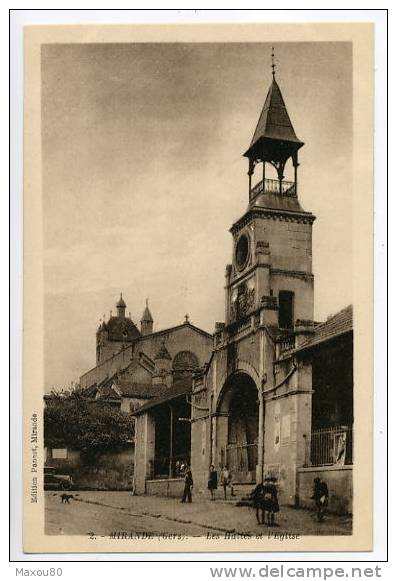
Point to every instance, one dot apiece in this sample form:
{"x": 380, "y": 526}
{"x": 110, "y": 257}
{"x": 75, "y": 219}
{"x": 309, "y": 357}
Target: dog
{"x": 65, "y": 498}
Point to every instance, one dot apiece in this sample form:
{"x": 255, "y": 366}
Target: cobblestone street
{"x": 107, "y": 513}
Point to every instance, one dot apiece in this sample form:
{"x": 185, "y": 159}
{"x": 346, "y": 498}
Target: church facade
{"x": 275, "y": 393}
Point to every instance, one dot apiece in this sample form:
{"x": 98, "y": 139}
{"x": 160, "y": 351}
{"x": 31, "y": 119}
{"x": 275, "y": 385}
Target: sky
{"x": 143, "y": 175}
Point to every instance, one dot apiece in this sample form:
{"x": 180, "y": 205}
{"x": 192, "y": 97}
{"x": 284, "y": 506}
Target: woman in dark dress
{"x": 212, "y": 481}
{"x": 265, "y": 499}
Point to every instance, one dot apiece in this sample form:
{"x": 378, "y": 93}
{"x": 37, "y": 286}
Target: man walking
{"x": 187, "y": 491}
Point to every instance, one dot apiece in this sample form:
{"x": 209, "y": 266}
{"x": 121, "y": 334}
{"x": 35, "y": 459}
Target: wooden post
{"x": 295, "y": 159}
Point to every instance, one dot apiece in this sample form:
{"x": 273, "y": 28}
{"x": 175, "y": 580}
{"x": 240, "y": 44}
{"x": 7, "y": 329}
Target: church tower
{"x": 271, "y": 270}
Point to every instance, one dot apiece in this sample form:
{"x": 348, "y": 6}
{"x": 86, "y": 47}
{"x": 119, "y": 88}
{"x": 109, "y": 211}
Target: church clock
{"x": 242, "y": 251}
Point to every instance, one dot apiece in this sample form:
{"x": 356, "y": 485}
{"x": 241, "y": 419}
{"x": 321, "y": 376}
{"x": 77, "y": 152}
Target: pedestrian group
{"x": 264, "y": 495}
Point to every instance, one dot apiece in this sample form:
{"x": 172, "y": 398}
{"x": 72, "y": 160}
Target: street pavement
{"x": 109, "y": 513}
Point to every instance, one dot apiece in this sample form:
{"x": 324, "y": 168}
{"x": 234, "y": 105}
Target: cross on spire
{"x": 187, "y": 318}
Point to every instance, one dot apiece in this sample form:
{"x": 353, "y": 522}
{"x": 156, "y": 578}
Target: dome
{"x": 121, "y": 329}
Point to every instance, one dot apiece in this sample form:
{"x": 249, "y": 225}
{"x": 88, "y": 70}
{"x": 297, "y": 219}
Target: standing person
{"x": 187, "y": 491}
{"x": 258, "y": 496}
{"x": 271, "y": 505}
{"x": 226, "y": 480}
{"x": 212, "y": 481}
{"x": 320, "y": 497}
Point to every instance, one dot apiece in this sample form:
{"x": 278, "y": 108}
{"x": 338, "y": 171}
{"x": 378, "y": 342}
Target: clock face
{"x": 242, "y": 251}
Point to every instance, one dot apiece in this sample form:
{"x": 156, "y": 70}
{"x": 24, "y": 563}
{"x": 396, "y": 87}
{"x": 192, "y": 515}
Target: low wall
{"x": 339, "y": 480}
{"x": 168, "y": 487}
{"x": 110, "y": 471}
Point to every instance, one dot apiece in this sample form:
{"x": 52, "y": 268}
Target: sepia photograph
{"x": 198, "y": 308}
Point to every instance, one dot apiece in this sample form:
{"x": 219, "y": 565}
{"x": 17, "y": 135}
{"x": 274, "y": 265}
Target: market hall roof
{"x": 335, "y": 326}
{"x": 181, "y": 387}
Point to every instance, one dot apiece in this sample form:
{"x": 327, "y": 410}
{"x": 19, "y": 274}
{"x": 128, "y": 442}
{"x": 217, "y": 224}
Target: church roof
{"x": 274, "y": 121}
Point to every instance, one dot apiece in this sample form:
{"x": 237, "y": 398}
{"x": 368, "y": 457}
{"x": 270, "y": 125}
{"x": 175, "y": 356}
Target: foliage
{"x": 89, "y": 426}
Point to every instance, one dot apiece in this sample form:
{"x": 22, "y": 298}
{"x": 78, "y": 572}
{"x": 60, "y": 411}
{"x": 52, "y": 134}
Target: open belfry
{"x": 270, "y": 393}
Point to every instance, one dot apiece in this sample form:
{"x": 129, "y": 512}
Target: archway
{"x": 238, "y": 418}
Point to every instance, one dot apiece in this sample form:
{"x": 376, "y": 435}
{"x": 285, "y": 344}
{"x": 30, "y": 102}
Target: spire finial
{"x": 147, "y": 302}
{"x": 273, "y": 65}
{"x": 187, "y": 318}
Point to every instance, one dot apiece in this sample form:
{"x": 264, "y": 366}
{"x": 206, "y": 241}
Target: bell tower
{"x": 271, "y": 268}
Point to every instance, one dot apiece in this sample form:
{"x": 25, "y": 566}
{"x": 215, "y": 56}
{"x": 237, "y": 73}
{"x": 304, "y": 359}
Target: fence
{"x": 330, "y": 446}
{"x": 270, "y": 186}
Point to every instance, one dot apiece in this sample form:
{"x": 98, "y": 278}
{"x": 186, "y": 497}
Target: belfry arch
{"x": 238, "y": 426}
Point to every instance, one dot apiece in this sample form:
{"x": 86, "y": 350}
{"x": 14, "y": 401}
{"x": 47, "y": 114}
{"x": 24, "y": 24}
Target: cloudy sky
{"x": 143, "y": 175}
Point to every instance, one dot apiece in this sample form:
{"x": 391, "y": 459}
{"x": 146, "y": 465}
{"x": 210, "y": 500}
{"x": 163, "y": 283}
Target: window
{"x": 286, "y": 309}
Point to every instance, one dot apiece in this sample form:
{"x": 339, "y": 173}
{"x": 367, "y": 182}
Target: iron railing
{"x": 241, "y": 457}
{"x": 330, "y": 446}
{"x": 273, "y": 187}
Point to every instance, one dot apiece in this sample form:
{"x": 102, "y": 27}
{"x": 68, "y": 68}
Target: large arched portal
{"x": 239, "y": 422}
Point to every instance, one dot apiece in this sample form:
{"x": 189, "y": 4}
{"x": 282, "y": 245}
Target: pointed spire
{"x": 147, "y": 320}
{"x": 274, "y": 122}
{"x": 121, "y": 302}
{"x": 121, "y": 306}
{"x": 147, "y": 315}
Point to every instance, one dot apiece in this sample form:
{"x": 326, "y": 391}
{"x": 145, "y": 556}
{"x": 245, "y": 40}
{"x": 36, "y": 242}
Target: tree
{"x": 89, "y": 426}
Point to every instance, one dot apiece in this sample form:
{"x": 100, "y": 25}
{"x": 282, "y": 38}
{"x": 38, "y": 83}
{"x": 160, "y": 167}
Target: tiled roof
{"x": 334, "y": 326}
{"x": 139, "y": 390}
{"x": 179, "y": 388}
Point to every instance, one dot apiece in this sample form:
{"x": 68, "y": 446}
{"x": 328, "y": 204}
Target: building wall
{"x": 182, "y": 338}
{"x": 339, "y": 480}
{"x": 172, "y": 487}
{"x": 144, "y": 451}
{"x": 285, "y": 408}
{"x": 290, "y": 243}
